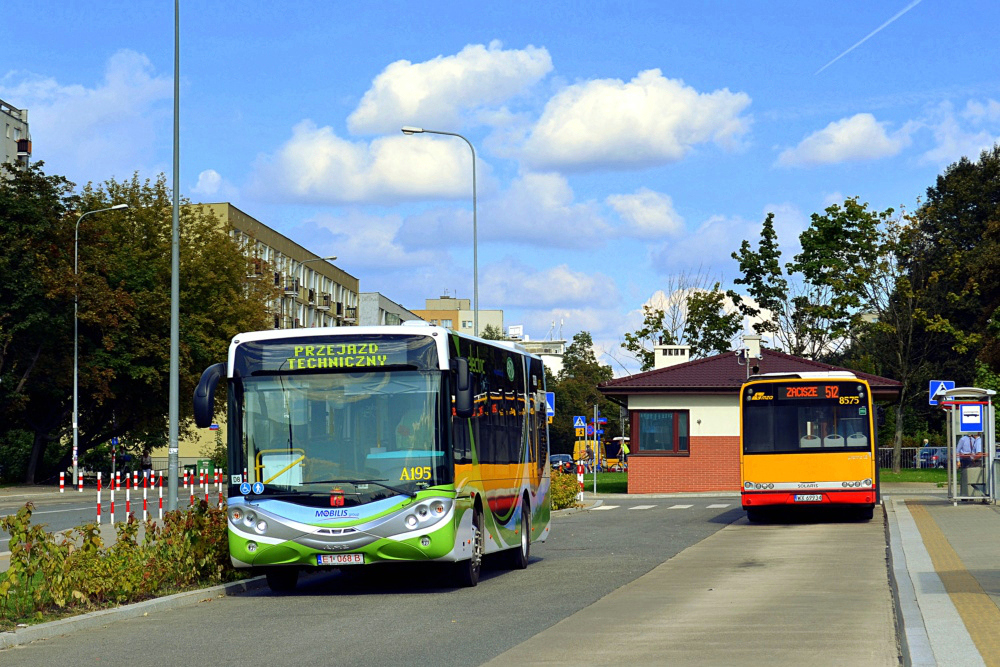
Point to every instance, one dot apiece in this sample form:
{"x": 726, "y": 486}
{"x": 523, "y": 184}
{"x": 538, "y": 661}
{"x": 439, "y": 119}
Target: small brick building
{"x": 684, "y": 415}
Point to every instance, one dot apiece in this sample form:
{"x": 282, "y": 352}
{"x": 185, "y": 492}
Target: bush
{"x": 563, "y": 490}
{"x": 46, "y": 574}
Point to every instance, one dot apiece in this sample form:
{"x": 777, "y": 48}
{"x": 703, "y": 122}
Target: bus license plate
{"x": 808, "y": 497}
{"x": 340, "y": 559}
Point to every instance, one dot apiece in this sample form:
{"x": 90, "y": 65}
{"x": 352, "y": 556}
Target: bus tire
{"x": 520, "y": 556}
{"x": 866, "y": 514}
{"x": 755, "y": 516}
{"x": 467, "y": 571}
{"x": 282, "y": 579}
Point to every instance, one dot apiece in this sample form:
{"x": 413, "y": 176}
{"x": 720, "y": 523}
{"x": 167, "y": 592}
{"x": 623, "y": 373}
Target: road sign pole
{"x": 597, "y": 451}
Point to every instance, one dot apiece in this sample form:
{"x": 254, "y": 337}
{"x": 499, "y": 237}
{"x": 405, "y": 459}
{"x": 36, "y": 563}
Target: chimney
{"x": 665, "y": 356}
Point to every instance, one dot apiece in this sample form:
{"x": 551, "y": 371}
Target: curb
{"x": 104, "y": 616}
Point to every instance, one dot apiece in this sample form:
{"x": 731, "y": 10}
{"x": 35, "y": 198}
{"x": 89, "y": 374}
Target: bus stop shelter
{"x": 972, "y": 460}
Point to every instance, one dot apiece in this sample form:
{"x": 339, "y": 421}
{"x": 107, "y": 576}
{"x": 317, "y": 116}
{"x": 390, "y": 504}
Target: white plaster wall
{"x": 719, "y": 415}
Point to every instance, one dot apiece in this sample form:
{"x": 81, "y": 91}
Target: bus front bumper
{"x": 853, "y": 497}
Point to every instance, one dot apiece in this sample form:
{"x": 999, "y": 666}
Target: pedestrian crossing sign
{"x": 579, "y": 422}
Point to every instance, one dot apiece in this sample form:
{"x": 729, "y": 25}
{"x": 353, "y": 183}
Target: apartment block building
{"x": 314, "y": 292}
{"x": 457, "y": 314}
{"x": 376, "y": 309}
{"x": 16, "y": 137}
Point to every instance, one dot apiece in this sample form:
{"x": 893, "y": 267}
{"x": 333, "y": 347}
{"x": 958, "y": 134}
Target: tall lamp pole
{"x": 76, "y": 326}
{"x": 475, "y": 241}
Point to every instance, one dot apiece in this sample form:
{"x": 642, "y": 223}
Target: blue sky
{"x": 620, "y": 145}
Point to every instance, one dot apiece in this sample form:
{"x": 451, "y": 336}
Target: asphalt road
{"x": 407, "y": 615}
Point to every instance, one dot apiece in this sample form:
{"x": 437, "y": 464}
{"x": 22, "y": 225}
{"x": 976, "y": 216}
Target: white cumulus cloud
{"x": 317, "y": 166}
{"x": 94, "y": 133}
{"x": 542, "y": 209}
{"x": 648, "y": 214}
{"x": 608, "y": 123}
{"x": 853, "y": 139}
{"x": 525, "y": 286}
{"x": 435, "y": 93}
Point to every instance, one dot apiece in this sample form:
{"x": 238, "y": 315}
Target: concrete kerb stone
{"x": 914, "y": 644}
{"x": 104, "y": 616}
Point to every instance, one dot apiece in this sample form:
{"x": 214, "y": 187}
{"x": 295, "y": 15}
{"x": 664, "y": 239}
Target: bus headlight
{"x": 426, "y": 513}
{"x": 261, "y": 526}
{"x": 250, "y": 519}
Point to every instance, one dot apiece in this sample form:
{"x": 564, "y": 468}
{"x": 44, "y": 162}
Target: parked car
{"x": 562, "y": 462}
{"x": 934, "y": 457}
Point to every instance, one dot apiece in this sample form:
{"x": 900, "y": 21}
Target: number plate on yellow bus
{"x": 340, "y": 559}
{"x": 808, "y": 497}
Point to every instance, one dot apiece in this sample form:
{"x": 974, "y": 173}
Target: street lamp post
{"x": 76, "y": 342}
{"x": 315, "y": 259}
{"x": 475, "y": 241}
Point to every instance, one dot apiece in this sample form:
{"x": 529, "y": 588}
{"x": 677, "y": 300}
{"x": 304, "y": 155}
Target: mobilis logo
{"x": 333, "y": 514}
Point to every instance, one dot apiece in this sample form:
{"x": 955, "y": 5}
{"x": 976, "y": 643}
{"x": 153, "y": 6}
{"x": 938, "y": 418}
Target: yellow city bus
{"x": 807, "y": 439}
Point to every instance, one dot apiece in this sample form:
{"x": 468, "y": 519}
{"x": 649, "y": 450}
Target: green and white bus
{"x": 356, "y": 446}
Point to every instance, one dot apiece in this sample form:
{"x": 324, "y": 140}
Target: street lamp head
{"x": 412, "y": 130}
{"x": 118, "y": 207}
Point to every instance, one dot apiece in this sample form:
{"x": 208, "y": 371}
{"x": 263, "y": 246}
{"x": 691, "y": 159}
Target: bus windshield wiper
{"x": 380, "y": 482}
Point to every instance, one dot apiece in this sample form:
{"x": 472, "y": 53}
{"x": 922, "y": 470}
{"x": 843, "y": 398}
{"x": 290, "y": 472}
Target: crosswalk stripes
{"x": 714, "y": 506}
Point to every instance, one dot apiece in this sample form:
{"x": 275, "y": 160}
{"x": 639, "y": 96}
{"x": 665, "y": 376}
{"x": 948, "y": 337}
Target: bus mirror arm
{"x": 204, "y": 395}
{"x": 463, "y": 388}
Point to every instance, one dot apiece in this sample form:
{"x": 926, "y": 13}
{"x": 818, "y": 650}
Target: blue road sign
{"x": 939, "y": 385}
{"x": 550, "y": 404}
{"x": 579, "y": 422}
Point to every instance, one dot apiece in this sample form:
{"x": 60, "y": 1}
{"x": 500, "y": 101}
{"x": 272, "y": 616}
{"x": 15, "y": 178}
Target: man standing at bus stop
{"x": 964, "y": 451}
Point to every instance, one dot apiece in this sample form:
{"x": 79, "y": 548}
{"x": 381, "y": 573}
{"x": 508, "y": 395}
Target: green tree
{"x": 789, "y": 311}
{"x": 576, "y": 393}
{"x": 124, "y": 306}
{"x": 666, "y": 316}
{"x": 492, "y": 332}
{"x": 35, "y": 327}
{"x": 710, "y": 329}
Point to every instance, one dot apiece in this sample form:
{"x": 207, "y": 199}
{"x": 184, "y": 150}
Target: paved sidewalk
{"x": 946, "y": 569}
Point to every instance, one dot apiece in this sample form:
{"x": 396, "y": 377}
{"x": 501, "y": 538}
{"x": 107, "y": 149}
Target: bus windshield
{"x": 341, "y": 438}
{"x": 800, "y": 417}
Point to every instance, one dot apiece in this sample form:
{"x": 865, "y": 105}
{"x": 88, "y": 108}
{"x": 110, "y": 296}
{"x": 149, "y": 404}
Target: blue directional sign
{"x": 550, "y": 404}
{"x": 939, "y": 385}
{"x": 579, "y": 422}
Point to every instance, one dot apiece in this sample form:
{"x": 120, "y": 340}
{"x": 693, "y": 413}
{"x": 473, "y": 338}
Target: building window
{"x": 446, "y": 324}
{"x": 466, "y": 324}
{"x": 661, "y": 432}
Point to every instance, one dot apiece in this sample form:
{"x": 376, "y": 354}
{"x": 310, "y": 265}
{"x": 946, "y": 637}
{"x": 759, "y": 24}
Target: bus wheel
{"x": 282, "y": 579}
{"x": 519, "y": 557}
{"x": 866, "y": 513}
{"x": 468, "y": 570}
{"x": 755, "y": 516}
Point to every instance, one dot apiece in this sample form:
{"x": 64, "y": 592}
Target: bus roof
{"x": 812, "y": 375}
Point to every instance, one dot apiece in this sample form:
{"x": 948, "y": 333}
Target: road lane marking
{"x": 719, "y": 507}
{"x": 978, "y": 611}
{"x": 680, "y": 507}
{"x": 606, "y": 507}
{"x": 642, "y": 507}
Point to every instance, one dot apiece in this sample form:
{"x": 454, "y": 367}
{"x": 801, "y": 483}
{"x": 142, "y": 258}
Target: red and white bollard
{"x": 218, "y": 477}
{"x": 79, "y": 476}
{"x": 98, "y": 499}
{"x": 244, "y": 475}
{"x": 145, "y": 507}
{"x": 185, "y": 478}
{"x": 579, "y": 478}
{"x": 128, "y": 496}
{"x": 62, "y": 482}
{"x": 161, "y": 496}
{"x": 114, "y": 483}
{"x": 204, "y": 484}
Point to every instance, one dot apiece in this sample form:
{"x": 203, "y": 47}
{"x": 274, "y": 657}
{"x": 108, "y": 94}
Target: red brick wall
{"x": 714, "y": 465}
